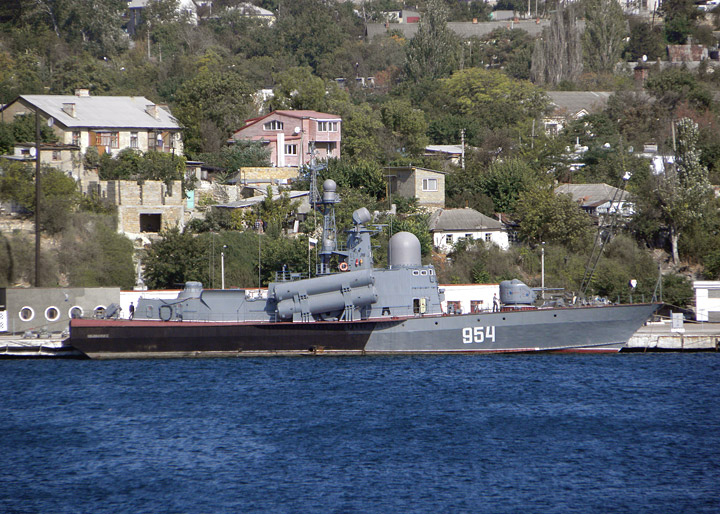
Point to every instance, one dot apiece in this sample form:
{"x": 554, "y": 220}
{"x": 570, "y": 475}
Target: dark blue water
{"x": 537, "y": 433}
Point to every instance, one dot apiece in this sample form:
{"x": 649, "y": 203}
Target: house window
{"x": 429, "y": 184}
{"x": 273, "y": 125}
{"x": 76, "y": 137}
{"x": 468, "y": 236}
{"x": 109, "y": 139}
{"x": 449, "y": 239}
{"x": 327, "y": 126}
{"x": 155, "y": 140}
{"x": 290, "y": 149}
{"x": 133, "y": 139}
{"x": 488, "y": 237}
{"x": 56, "y": 155}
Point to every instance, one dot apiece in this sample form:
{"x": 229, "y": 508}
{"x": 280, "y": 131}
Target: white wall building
{"x": 448, "y": 226}
{"x": 707, "y": 300}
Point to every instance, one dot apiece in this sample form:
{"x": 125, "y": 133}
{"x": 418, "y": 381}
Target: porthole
{"x": 416, "y": 272}
{"x": 75, "y": 312}
{"x": 99, "y": 311}
{"x": 52, "y": 313}
{"x": 27, "y": 313}
{"x": 424, "y": 272}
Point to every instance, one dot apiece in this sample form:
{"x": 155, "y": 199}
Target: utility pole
{"x": 37, "y": 197}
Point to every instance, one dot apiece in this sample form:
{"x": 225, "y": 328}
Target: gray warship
{"x": 354, "y": 310}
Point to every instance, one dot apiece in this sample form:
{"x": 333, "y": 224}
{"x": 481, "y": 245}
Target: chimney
{"x": 69, "y": 109}
{"x": 152, "y": 110}
{"x": 82, "y": 92}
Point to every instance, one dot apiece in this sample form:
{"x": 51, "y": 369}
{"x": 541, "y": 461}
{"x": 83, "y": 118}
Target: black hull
{"x": 153, "y": 339}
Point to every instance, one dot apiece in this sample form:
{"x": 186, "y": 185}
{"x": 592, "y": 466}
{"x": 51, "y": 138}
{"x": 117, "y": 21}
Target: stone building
{"x": 427, "y": 185}
{"x": 144, "y": 208}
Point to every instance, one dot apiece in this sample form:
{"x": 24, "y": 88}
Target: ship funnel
{"x": 362, "y": 215}
{"x": 404, "y": 250}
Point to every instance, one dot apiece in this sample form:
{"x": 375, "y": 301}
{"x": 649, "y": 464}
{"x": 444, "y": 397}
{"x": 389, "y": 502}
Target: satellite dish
{"x": 50, "y": 121}
{"x": 644, "y": 58}
{"x": 33, "y": 151}
{"x": 297, "y": 130}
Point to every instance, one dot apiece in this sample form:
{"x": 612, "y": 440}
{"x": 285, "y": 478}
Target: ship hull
{"x": 590, "y": 329}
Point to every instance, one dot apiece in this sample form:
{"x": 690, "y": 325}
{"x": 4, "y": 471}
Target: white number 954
{"x": 478, "y": 334}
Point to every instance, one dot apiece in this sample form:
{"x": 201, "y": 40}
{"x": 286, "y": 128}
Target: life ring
{"x": 343, "y": 266}
{"x": 165, "y": 312}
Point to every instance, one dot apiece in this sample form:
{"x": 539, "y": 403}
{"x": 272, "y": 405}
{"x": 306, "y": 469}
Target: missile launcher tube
{"x": 324, "y": 284}
{"x": 327, "y": 302}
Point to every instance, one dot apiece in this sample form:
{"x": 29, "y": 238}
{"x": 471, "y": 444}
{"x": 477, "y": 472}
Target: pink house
{"x": 290, "y": 134}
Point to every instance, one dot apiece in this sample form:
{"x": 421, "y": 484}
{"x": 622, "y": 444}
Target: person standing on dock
{"x": 132, "y": 310}
{"x": 496, "y": 304}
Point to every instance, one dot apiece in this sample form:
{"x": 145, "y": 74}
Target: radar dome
{"x": 329, "y": 187}
{"x": 404, "y": 250}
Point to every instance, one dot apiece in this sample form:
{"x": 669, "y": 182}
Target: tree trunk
{"x": 674, "y": 237}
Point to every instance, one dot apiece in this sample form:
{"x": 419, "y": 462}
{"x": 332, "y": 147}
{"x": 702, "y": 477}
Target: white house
{"x": 448, "y": 226}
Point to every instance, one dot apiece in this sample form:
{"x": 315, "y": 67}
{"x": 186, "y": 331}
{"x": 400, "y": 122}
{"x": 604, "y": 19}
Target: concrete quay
{"x": 660, "y": 336}
{"x": 17, "y": 347}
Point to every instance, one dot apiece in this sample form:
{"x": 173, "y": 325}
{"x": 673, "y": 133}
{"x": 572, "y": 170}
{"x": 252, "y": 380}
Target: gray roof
{"x": 103, "y": 111}
{"x": 574, "y": 101}
{"x": 462, "y": 219}
{"x": 589, "y": 195}
{"x": 451, "y": 149}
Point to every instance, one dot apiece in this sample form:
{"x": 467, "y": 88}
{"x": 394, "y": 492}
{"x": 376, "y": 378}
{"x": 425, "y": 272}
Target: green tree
{"x": 361, "y": 175}
{"x": 493, "y": 97}
{"x": 506, "y": 180}
{"x": 433, "y": 51}
{"x": 298, "y": 88}
{"x": 605, "y": 32}
{"x": 311, "y": 29}
{"x": 360, "y": 132}
{"x": 172, "y": 260}
{"x": 93, "y": 254}
{"x": 680, "y": 16}
{"x": 59, "y": 193}
{"x": 407, "y": 126}
{"x": 646, "y": 40}
{"x": 211, "y": 105}
{"x": 95, "y": 26}
{"x": 684, "y": 190}
{"x": 673, "y": 86}
{"x": 544, "y": 216}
